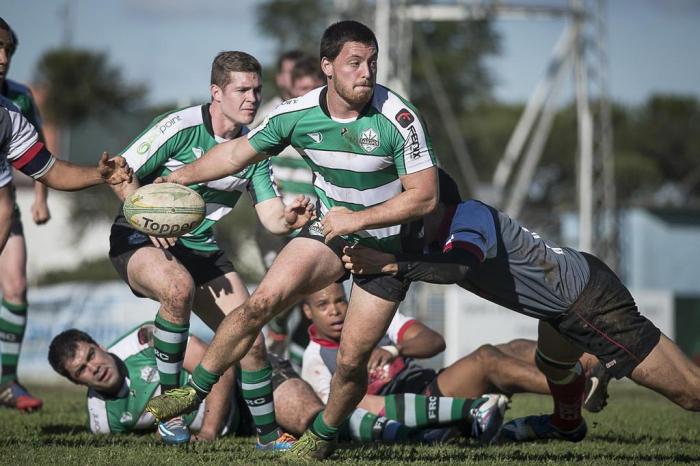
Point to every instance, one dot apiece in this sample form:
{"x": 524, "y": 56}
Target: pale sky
{"x": 169, "y": 45}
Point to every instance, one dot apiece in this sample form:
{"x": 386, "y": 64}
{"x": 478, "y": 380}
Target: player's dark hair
{"x": 337, "y": 34}
{"x": 226, "y": 62}
{"x": 63, "y": 347}
{"x": 449, "y": 191}
{"x": 15, "y": 41}
{"x": 307, "y": 66}
{"x": 290, "y": 55}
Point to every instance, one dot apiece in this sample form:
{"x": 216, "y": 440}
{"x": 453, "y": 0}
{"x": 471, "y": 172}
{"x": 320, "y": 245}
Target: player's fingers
{"x": 154, "y": 241}
{"x": 171, "y": 241}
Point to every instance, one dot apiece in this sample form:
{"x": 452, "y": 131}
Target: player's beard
{"x": 355, "y": 95}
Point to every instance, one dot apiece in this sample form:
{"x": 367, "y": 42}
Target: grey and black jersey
{"x": 519, "y": 269}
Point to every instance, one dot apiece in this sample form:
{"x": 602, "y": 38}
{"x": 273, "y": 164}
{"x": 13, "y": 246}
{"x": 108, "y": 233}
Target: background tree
{"x": 81, "y": 86}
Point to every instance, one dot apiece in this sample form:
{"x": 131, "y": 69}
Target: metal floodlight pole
{"x": 585, "y": 137}
{"x": 534, "y": 105}
{"x": 382, "y": 30}
{"x": 536, "y": 147}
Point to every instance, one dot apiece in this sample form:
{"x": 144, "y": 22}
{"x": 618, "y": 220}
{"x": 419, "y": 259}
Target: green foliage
{"x": 81, "y": 84}
{"x": 638, "y": 427}
{"x": 294, "y": 23}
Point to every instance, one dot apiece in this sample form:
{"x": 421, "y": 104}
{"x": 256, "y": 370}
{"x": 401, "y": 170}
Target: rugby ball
{"x": 164, "y": 209}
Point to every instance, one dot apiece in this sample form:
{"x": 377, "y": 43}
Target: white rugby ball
{"x": 164, "y": 209}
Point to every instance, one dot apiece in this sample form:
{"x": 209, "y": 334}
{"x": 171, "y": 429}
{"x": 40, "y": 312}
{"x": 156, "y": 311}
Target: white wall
{"x": 54, "y": 245}
{"x": 471, "y": 321}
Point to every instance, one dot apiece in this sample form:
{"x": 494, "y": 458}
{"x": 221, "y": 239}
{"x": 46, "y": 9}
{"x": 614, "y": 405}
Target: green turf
{"x": 637, "y": 427}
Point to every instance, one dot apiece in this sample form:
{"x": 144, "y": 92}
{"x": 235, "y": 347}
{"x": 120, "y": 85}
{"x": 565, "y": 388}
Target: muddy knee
{"x": 176, "y": 298}
{"x": 260, "y": 308}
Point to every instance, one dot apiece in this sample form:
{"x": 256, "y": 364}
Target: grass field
{"x": 637, "y": 427}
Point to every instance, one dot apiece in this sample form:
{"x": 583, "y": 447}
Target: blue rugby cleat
{"x": 533, "y": 428}
{"x": 174, "y": 431}
{"x": 488, "y": 418}
{"x": 281, "y": 444}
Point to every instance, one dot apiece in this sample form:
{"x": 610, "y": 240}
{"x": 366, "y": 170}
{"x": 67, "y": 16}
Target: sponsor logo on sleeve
{"x": 404, "y": 118}
{"x": 369, "y": 140}
{"x": 412, "y": 144}
{"x": 165, "y": 125}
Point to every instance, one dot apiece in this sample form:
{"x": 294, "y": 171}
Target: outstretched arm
{"x": 221, "y": 160}
{"x": 441, "y": 268}
{"x": 66, "y": 176}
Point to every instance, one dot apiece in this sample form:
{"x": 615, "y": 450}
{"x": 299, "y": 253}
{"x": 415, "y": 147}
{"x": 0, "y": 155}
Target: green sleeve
{"x": 261, "y": 187}
{"x": 274, "y": 133}
{"x": 153, "y": 147}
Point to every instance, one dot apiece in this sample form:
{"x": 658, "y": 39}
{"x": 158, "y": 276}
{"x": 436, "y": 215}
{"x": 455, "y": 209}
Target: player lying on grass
{"x": 580, "y": 302}
{"x": 402, "y": 389}
{"x": 192, "y": 273}
{"x": 123, "y": 377}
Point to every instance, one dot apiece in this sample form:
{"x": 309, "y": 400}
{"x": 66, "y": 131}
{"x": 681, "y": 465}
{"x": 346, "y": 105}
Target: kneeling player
{"x": 580, "y": 302}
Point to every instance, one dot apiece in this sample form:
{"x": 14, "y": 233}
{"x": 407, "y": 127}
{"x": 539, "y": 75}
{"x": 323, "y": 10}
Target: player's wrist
{"x": 392, "y": 349}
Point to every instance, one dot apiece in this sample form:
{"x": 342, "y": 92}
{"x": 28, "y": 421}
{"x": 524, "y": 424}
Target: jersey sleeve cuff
{"x": 35, "y": 161}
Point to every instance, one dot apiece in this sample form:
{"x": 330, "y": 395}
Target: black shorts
{"x": 411, "y": 380}
{"x": 382, "y": 286}
{"x": 203, "y": 266}
{"x": 605, "y": 321}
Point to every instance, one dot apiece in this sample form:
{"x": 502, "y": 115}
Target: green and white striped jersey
{"x": 292, "y": 175}
{"x": 181, "y": 137}
{"x": 356, "y": 163}
{"x": 126, "y": 411}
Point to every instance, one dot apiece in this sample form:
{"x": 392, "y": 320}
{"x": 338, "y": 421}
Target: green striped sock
{"x": 202, "y": 380}
{"x": 256, "y": 387}
{"x": 323, "y": 430}
{"x": 170, "y": 343}
{"x": 367, "y": 427}
{"x": 13, "y": 322}
{"x": 422, "y": 411}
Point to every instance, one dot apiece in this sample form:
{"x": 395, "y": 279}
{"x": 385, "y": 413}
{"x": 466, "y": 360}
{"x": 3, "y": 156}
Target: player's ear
{"x": 307, "y": 311}
{"x": 215, "y": 92}
{"x": 327, "y": 67}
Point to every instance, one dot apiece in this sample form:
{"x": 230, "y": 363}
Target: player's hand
{"x": 299, "y": 212}
{"x": 379, "y": 358}
{"x": 114, "y": 170}
{"x": 339, "y": 221}
{"x": 171, "y": 178}
{"x": 361, "y": 260}
{"x": 203, "y": 436}
{"x": 40, "y": 212}
{"x": 162, "y": 243}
